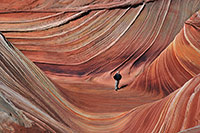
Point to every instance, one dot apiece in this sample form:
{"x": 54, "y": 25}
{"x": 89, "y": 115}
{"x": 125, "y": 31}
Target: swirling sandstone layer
{"x": 35, "y": 104}
{"x": 179, "y": 62}
{"x": 96, "y": 41}
{"x": 73, "y": 50}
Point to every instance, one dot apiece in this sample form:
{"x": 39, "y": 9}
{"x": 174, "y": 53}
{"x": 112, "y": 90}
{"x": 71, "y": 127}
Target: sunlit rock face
{"x": 58, "y": 58}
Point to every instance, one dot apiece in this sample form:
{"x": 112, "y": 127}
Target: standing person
{"x": 117, "y": 78}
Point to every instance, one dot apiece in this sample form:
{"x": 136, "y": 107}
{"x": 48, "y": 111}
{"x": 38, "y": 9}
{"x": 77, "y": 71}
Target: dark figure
{"x": 117, "y": 78}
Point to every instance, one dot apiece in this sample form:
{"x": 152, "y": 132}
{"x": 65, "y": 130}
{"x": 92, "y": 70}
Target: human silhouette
{"x": 117, "y": 78}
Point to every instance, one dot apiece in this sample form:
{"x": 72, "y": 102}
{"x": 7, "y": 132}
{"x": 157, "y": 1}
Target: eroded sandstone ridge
{"x": 57, "y": 60}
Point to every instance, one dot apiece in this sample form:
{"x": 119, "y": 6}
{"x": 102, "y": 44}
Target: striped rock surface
{"x": 58, "y": 59}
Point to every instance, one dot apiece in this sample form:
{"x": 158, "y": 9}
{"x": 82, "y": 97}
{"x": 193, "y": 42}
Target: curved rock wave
{"x": 78, "y": 43}
{"x": 36, "y": 104}
{"x": 57, "y": 60}
{"x": 176, "y": 64}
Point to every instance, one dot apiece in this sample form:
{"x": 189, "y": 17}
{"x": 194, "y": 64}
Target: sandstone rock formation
{"x": 57, "y": 59}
